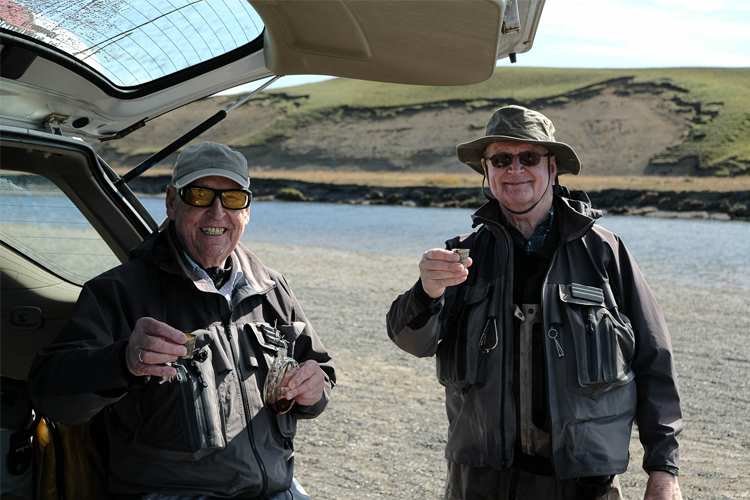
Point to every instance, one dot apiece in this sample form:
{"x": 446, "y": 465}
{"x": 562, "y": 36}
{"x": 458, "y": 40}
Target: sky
{"x": 628, "y": 34}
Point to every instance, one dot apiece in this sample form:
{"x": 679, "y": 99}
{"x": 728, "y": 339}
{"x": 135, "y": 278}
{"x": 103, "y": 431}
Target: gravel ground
{"x": 384, "y": 432}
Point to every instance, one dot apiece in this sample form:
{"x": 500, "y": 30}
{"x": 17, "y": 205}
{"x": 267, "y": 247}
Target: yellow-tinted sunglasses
{"x": 232, "y": 199}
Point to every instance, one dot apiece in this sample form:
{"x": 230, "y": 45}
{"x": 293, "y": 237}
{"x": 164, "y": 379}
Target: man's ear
{"x": 170, "y": 202}
{"x": 245, "y": 216}
{"x": 553, "y": 167}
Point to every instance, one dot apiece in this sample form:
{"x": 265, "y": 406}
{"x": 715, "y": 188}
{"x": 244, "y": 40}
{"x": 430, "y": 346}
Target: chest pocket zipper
{"x": 197, "y": 364}
{"x": 194, "y": 390}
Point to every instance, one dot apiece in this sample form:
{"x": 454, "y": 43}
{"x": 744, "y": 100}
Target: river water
{"x": 701, "y": 253}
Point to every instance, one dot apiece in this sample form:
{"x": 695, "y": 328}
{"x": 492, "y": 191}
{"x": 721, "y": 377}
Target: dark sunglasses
{"x": 232, "y": 199}
{"x": 527, "y": 159}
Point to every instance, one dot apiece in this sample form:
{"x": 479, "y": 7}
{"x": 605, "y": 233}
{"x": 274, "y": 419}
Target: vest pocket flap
{"x": 459, "y": 352}
{"x": 290, "y": 333}
{"x": 202, "y": 338}
{"x": 581, "y": 294}
{"x": 478, "y": 292}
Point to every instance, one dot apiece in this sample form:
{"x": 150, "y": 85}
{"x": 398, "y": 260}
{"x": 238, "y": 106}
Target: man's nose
{"x": 216, "y": 209}
{"x": 515, "y": 166}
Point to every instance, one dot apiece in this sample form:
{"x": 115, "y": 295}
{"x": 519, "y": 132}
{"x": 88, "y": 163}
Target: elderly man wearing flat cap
{"x": 173, "y": 349}
{"x": 549, "y": 342}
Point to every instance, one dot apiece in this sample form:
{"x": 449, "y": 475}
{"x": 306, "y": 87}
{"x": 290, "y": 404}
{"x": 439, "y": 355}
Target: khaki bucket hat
{"x": 519, "y": 124}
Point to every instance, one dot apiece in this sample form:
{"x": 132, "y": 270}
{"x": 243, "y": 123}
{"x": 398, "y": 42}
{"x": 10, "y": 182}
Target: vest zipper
{"x": 507, "y": 321}
{"x": 591, "y": 345}
{"x": 506, "y": 352}
{"x": 208, "y": 419}
{"x": 546, "y": 354}
{"x": 246, "y": 406}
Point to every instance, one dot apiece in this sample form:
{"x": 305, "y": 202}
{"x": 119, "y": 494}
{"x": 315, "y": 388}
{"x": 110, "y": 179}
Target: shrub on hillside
{"x": 290, "y": 194}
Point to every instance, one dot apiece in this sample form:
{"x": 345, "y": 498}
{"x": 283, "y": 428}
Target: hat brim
{"x": 471, "y": 153}
{"x": 208, "y": 172}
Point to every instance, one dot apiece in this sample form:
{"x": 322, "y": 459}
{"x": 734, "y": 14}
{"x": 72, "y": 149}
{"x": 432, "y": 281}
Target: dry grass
{"x": 585, "y": 182}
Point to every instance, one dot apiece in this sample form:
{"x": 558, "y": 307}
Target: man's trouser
{"x": 485, "y": 483}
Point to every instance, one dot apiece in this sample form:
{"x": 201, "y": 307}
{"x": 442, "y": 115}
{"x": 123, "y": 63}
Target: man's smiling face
{"x": 208, "y": 234}
{"x": 516, "y": 186}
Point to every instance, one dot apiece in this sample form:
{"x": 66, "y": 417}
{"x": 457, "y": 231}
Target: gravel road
{"x": 384, "y": 431}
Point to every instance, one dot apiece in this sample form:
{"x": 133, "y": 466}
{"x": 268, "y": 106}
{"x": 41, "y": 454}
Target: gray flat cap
{"x": 206, "y": 159}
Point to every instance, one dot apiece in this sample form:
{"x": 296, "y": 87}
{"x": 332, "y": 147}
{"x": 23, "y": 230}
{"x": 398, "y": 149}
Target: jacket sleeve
{"x": 413, "y": 321}
{"x": 309, "y": 347}
{"x": 658, "y": 414}
{"x": 80, "y": 372}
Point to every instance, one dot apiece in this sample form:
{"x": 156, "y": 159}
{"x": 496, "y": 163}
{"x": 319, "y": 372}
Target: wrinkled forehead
{"x": 513, "y": 147}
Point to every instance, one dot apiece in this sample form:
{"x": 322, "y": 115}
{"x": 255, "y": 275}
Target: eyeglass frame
{"x": 488, "y": 159}
{"x": 217, "y": 194}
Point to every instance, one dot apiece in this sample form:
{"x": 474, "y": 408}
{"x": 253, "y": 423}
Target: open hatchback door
{"x": 100, "y": 69}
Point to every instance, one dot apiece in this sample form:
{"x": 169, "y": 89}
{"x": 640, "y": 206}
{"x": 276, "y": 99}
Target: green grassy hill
{"x": 675, "y": 121}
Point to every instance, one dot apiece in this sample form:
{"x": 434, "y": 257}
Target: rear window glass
{"x": 39, "y": 221}
{"x": 132, "y": 42}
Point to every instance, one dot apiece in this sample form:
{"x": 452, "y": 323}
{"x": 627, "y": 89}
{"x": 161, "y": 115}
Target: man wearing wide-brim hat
{"x": 549, "y": 341}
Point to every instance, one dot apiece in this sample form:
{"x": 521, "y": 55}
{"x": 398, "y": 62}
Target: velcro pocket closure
{"x": 267, "y": 336}
{"x": 581, "y": 294}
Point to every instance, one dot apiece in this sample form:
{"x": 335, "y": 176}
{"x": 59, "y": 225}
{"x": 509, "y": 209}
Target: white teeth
{"x": 213, "y": 231}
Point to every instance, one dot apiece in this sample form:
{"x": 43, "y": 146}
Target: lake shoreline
{"x": 731, "y": 205}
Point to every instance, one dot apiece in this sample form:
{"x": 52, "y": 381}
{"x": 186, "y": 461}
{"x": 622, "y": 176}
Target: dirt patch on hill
{"x": 610, "y": 132}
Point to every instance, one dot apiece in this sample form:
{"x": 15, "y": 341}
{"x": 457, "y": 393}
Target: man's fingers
{"x": 155, "y": 328}
{"x": 307, "y": 384}
{"x": 441, "y": 265}
{"x": 441, "y": 254}
{"x": 303, "y": 373}
{"x": 441, "y": 275}
{"x": 153, "y": 335}
{"x": 161, "y": 346}
{"x": 153, "y": 343}
{"x": 155, "y": 371}
{"x": 148, "y": 357}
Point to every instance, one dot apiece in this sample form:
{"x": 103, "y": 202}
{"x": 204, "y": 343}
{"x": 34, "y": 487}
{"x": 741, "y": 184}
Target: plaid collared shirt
{"x": 540, "y": 232}
{"x": 227, "y": 291}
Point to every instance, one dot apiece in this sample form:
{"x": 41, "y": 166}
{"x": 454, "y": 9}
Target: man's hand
{"x": 662, "y": 486}
{"x": 152, "y": 344}
{"x": 307, "y": 383}
{"x": 440, "y": 269}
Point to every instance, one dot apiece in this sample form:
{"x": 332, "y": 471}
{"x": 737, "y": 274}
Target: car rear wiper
{"x": 187, "y": 137}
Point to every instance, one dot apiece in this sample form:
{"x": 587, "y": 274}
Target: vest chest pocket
{"x": 471, "y": 333}
{"x": 599, "y": 341}
{"x": 181, "y": 417}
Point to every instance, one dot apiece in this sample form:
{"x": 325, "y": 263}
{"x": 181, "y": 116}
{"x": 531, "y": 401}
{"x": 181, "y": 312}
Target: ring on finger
{"x": 140, "y": 351}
